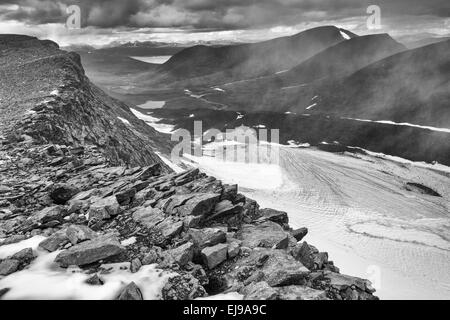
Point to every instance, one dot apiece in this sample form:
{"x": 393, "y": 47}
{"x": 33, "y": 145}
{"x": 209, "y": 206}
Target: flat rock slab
{"x": 91, "y": 251}
{"x": 149, "y": 217}
{"x": 267, "y": 235}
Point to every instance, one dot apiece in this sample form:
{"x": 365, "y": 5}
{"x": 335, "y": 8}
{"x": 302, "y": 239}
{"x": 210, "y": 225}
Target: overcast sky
{"x": 104, "y": 21}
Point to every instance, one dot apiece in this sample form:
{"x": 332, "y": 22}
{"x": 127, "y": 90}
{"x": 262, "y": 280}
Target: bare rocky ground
{"x": 211, "y": 237}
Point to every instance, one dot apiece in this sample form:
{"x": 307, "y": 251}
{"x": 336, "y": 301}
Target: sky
{"x": 185, "y": 21}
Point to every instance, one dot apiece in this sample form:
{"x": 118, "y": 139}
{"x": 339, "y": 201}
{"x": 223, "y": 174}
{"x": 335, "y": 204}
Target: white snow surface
{"x": 358, "y": 210}
{"x": 125, "y": 121}
{"x": 153, "y": 122}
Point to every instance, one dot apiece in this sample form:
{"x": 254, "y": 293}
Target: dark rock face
{"x": 47, "y": 96}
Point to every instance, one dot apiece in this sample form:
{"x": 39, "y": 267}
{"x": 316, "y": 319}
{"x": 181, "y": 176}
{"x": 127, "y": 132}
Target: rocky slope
{"x": 79, "y": 172}
{"x": 46, "y": 96}
{"x": 208, "y": 236}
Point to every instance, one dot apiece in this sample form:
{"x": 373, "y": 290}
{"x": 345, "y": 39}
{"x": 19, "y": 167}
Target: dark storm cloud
{"x": 210, "y": 14}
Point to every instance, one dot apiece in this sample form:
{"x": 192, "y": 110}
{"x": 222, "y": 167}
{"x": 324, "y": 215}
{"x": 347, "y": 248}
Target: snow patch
{"x": 154, "y": 122}
{"x": 345, "y": 35}
{"x": 125, "y": 121}
{"x": 406, "y": 124}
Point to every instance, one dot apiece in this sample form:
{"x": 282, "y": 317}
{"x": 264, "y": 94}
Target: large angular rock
{"x": 8, "y": 266}
{"x": 259, "y": 291}
{"x": 131, "y": 292}
{"x": 183, "y": 287}
{"x": 103, "y": 209}
{"x": 277, "y": 267}
{"x": 24, "y": 256}
{"x": 202, "y": 204}
{"x": 225, "y": 208}
{"x": 62, "y": 193}
{"x": 150, "y": 171}
{"x": 267, "y": 235}
{"x": 91, "y": 251}
{"x": 49, "y": 214}
{"x": 299, "y": 234}
{"x": 276, "y": 216}
{"x": 206, "y": 237}
{"x": 55, "y": 242}
{"x": 213, "y": 256}
{"x": 80, "y": 233}
{"x": 183, "y": 254}
{"x": 149, "y": 217}
{"x": 170, "y": 228}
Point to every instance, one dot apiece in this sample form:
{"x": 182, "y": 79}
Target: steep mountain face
{"x": 252, "y": 60}
{"x": 268, "y": 93}
{"x": 46, "y": 97}
{"x": 412, "y": 86}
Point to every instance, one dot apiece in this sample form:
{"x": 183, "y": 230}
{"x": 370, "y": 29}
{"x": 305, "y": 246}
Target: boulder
{"x": 202, "y": 204}
{"x": 8, "y": 266}
{"x": 91, "y": 251}
{"x": 149, "y": 217}
{"x": 170, "y": 228}
{"x": 234, "y": 248}
{"x": 80, "y": 233}
{"x": 55, "y": 242}
{"x": 276, "y": 216}
{"x": 131, "y": 292}
{"x": 259, "y": 291}
{"x": 103, "y": 209}
{"x": 49, "y": 214}
{"x": 225, "y": 208}
{"x": 213, "y": 256}
{"x": 24, "y": 256}
{"x": 61, "y": 193}
{"x": 267, "y": 234}
{"x": 183, "y": 254}
{"x": 299, "y": 234}
{"x": 183, "y": 287}
{"x": 206, "y": 237}
{"x": 277, "y": 267}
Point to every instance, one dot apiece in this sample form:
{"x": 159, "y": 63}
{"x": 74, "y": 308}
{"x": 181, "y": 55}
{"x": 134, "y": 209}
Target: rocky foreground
{"x": 211, "y": 238}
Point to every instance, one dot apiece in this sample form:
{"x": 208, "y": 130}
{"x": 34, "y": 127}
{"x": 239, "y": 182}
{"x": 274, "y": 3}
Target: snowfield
{"x": 358, "y": 209}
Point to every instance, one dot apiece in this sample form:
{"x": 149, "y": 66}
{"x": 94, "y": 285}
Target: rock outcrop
{"x": 77, "y": 168}
{"x": 173, "y": 218}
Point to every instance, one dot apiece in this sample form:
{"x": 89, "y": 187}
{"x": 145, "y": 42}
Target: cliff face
{"x": 45, "y": 95}
{"x": 58, "y": 185}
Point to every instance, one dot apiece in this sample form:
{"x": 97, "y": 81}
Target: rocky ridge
{"x": 209, "y": 236}
{"x": 46, "y": 96}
